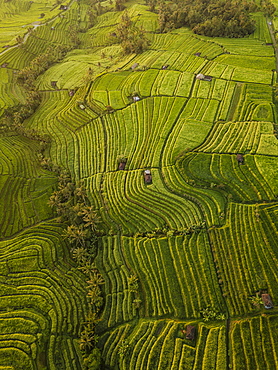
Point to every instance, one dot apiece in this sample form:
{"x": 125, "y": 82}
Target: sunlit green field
{"x": 200, "y": 240}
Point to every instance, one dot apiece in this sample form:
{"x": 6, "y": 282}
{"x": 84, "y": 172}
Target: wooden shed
{"x": 240, "y": 158}
{"x": 190, "y": 332}
{"x": 267, "y": 301}
{"x": 148, "y": 176}
{"x": 71, "y": 92}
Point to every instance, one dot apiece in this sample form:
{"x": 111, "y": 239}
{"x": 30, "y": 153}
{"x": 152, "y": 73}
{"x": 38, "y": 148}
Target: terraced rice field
{"x": 200, "y": 240}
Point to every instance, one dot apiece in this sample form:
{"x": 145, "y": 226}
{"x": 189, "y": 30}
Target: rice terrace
{"x": 139, "y": 185}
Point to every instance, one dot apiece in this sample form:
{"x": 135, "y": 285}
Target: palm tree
{"x": 90, "y": 217}
{"x": 80, "y": 192}
{"x": 55, "y": 200}
{"x": 86, "y": 339}
{"x": 95, "y": 279}
{"x": 76, "y": 235}
{"x": 93, "y": 294}
{"x": 87, "y": 267}
{"x": 79, "y": 254}
{"x": 133, "y": 283}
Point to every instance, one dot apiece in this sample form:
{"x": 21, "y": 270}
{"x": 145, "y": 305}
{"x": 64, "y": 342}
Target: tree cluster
{"x": 14, "y": 116}
{"x": 132, "y": 38}
{"x": 214, "y": 18}
{"x": 267, "y": 7}
{"x": 27, "y": 76}
{"x": 152, "y": 4}
{"x": 119, "y": 5}
{"x": 95, "y": 9}
{"x": 72, "y": 206}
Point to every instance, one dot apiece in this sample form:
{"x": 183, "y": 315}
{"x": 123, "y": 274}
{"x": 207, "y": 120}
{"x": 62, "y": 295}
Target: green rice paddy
{"x": 200, "y": 239}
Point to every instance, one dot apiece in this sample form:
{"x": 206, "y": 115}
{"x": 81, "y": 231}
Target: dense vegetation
{"x": 99, "y": 269}
{"x": 214, "y": 18}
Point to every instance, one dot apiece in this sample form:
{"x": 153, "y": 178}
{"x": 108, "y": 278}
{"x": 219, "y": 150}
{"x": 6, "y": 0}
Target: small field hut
{"x": 54, "y": 84}
{"x": 267, "y": 301}
{"x": 148, "y": 177}
{"x": 134, "y": 66}
{"x": 240, "y": 158}
{"x": 202, "y": 77}
{"x": 190, "y": 332}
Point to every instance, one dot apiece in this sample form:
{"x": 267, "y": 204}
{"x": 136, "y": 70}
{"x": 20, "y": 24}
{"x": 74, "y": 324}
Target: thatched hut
{"x": 190, "y": 332}
{"x": 267, "y": 300}
{"x": 202, "y": 77}
{"x": 240, "y": 158}
{"x": 148, "y": 177}
{"x": 54, "y": 84}
{"x": 121, "y": 165}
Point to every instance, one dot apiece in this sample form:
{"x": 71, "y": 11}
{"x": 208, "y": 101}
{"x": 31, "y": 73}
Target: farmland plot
{"x": 244, "y": 183}
{"x": 199, "y": 238}
{"x": 237, "y": 137}
{"x": 163, "y": 259}
{"x": 253, "y": 347}
{"x": 161, "y": 344}
{"x": 40, "y": 301}
{"x": 245, "y": 267}
{"x": 25, "y": 186}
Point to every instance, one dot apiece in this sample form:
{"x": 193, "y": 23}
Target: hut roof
{"x": 240, "y": 158}
{"x": 135, "y": 65}
{"x": 121, "y": 165}
{"x": 190, "y": 332}
{"x": 267, "y": 300}
{"x": 147, "y": 176}
{"x": 200, "y": 76}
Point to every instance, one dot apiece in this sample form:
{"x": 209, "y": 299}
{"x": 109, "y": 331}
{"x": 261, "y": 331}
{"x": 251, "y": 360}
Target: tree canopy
{"x": 132, "y": 38}
{"x": 224, "y": 18}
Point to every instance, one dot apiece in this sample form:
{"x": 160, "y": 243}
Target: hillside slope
{"x": 194, "y": 246}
